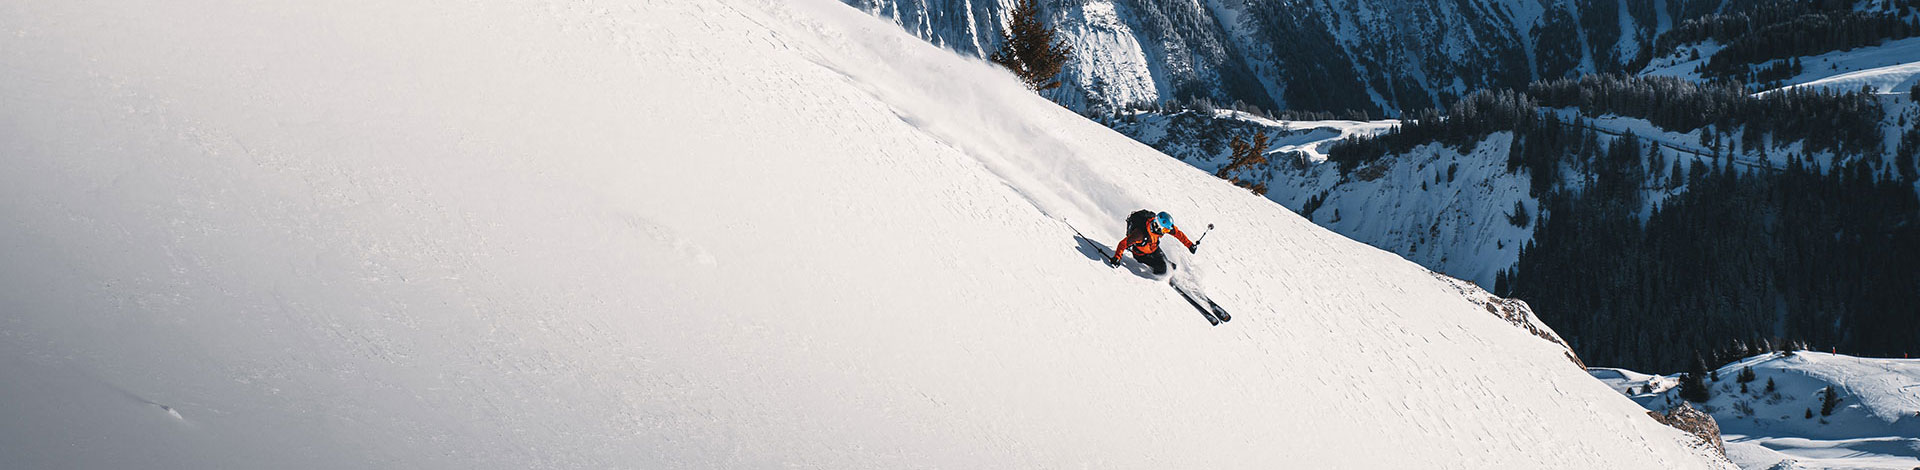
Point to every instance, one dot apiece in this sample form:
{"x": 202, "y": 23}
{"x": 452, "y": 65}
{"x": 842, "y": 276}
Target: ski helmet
{"x": 1163, "y": 222}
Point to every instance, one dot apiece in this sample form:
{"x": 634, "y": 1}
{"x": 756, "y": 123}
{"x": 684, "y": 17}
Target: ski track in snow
{"x": 745, "y": 233}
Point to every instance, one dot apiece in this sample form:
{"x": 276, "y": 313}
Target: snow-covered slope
{"x": 1875, "y": 425}
{"x": 1886, "y": 68}
{"x": 738, "y": 233}
{"x": 1884, "y": 80}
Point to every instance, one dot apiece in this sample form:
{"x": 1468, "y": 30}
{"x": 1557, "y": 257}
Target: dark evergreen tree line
{"x": 1844, "y": 123}
{"x": 1827, "y": 121}
{"x": 1832, "y": 258}
{"x": 1757, "y": 34}
{"x": 1557, "y": 48}
{"x": 1773, "y": 74}
{"x": 1727, "y": 26}
{"x": 1319, "y": 71}
{"x": 1829, "y": 259}
{"x": 1601, "y": 20}
{"x": 1467, "y": 121}
{"x": 1807, "y": 35}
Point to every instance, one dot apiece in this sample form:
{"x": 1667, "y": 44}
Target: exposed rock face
{"x": 1514, "y": 311}
{"x": 1698, "y": 423}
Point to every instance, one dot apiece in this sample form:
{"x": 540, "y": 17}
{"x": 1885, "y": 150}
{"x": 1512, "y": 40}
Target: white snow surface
{"x": 655, "y": 234}
{"x": 1875, "y": 426}
{"x": 1890, "y": 79}
{"x": 1885, "y": 68}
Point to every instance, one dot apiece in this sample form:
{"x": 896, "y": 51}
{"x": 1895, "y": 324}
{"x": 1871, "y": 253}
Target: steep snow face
{"x": 1111, "y": 65}
{"x": 969, "y": 26}
{"x": 1876, "y": 423}
{"x": 739, "y": 233}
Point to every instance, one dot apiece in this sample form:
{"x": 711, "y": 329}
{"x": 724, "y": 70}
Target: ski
{"x": 1215, "y": 315}
{"x": 1218, "y": 312}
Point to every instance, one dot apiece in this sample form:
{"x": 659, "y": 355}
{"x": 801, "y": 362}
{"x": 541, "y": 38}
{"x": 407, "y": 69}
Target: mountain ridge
{"x": 1366, "y": 56}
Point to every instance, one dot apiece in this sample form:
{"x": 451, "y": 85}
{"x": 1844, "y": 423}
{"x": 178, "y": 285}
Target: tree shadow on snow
{"x": 1095, "y": 251}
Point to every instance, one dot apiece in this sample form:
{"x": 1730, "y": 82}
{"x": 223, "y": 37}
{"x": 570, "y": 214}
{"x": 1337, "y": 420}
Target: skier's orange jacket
{"x": 1148, "y": 244}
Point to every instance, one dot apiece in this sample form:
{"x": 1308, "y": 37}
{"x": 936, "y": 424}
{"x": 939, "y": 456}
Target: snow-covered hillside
{"x": 1884, "y": 68}
{"x": 1887, "y": 68}
{"x": 1776, "y": 422}
{"x": 738, "y": 233}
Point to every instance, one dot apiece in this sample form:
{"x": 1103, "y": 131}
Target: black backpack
{"x": 1137, "y": 224}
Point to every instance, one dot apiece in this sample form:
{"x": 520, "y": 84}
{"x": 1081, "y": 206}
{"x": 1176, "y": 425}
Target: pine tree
{"x": 1027, "y": 48}
{"x": 1746, "y": 375}
{"x": 1829, "y": 398}
{"x": 1693, "y": 386}
{"x": 1679, "y": 175}
{"x": 1246, "y": 156}
{"x": 1770, "y": 385}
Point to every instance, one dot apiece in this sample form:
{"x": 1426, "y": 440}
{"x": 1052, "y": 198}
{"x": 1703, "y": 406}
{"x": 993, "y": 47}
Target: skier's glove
{"x": 1113, "y": 262}
{"x": 1195, "y": 248}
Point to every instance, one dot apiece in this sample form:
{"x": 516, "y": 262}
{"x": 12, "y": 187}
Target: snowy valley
{"x": 1773, "y": 411}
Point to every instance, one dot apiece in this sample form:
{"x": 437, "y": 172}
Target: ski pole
{"x": 1096, "y": 247}
{"x": 1203, "y": 236}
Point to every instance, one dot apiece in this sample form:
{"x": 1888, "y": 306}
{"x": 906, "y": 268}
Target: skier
{"x": 1144, "y": 229}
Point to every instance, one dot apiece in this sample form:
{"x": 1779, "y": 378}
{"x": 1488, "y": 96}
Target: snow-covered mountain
{"x": 738, "y": 233}
{"x": 1379, "y": 56}
{"x": 1774, "y": 420}
{"x": 1397, "y": 55}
